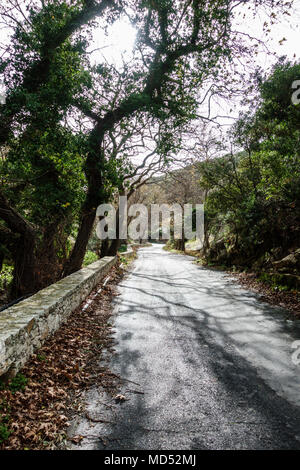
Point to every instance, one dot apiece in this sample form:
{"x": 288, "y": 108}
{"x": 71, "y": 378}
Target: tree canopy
{"x": 69, "y": 126}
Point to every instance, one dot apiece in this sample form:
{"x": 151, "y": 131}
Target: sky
{"x": 121, "y": 36}
{"x": 117, "y": 43}
{"x": 120, "y": 39}
{"x": 287, "y": 28}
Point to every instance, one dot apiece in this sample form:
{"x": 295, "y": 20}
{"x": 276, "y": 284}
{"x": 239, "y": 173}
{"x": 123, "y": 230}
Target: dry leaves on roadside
{"x": 290, "y": 300}
{"x": 68, "y": 362}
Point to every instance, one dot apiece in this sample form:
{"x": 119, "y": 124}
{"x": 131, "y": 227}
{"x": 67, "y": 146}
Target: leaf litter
{"x": 68, "y": 363}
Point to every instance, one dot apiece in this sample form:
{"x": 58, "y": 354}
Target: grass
{"x": 6, "y": 277}
{"x": 277, "y": 281}
{"x": 5, "y": 432}
{"x": 17, "y": 384}
{"x": 126, "y": 260}
{"x": 122, "y": 249}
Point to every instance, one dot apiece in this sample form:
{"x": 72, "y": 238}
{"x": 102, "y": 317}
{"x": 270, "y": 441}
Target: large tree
{"x": 42, "y": 70}
{"x": 179, "y": 45}
{"x": 253, "y": 205}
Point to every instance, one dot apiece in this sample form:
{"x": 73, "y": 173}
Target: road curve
{"x": 205, "y": 364}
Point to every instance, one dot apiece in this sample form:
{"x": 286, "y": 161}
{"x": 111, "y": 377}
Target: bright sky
{"x": 287, "y": 28}
{"x": 121, "y": 36}
{"x": 118, "y": 43}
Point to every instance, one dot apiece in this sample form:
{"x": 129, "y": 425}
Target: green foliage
{"x": 18, "y": 383}
{"x": 5, "y": 409}
{"x": 56, "y": 168}
{"x": 6, "y": 276}
{"x": 5, "y": 432}
{"x": 276, "y": 281}
{"x": 254, "y": 197}
{"x": 41, "y": 357}
{"x": 90, "y": 257}
{"x": 126, "y": 260}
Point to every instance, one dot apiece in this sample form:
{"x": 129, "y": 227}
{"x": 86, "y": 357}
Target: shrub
{"x": 90, "y": 257}
{"x": 6, "y": 276}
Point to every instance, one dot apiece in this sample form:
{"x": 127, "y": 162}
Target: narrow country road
{"x": 205, "y": 364}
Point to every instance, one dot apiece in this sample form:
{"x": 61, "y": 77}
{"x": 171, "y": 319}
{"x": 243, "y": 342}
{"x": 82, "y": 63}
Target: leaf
{"x": 76, "y": 439}
{"x": 120, "y": 397}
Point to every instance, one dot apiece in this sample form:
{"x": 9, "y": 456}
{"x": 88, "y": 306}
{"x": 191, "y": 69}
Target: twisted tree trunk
{"x": 25, "y": 279}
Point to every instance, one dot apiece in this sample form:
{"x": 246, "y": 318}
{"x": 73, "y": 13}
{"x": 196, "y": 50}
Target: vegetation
{"x": 253, "y": 202}
{"x": 17, "y": 384}
{"x": 4, "y": 432}
{"x": 77, "y": 132}
{"x": 71, "y": 128}
{"x": 89, "y": 258}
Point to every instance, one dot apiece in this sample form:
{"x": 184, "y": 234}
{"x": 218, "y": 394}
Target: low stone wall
{"x": 25, "y": 326}
{"x": 127, "y": 254}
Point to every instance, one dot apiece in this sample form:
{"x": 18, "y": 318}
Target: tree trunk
{"x": 76, "y": 258}
{"x": 1, "y": 260}
{"x": 180, "y": 244}
{"x": 206, "y": 244}
{"x": 115, "y": 244}
{"x": 104, "y": 248}
{"x": 25, "y": 276}
{"x": 48, "y": 266}
{"x": 94, "y": 197}
{"x": 114, "y": 247}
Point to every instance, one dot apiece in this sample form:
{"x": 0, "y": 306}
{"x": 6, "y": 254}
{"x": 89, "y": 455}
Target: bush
{"x": 90, "y": 257}
{"x": 122, "y": 249}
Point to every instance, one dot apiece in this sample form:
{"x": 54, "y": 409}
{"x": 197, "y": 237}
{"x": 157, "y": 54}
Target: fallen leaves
{"x": 120, "y": 397}
{"x": 290, "y": 300}
{"x": 76, "y": 439}
{"x": 57, "y": 374}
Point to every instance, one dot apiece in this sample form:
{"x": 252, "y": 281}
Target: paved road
{"x": 206, "y": 365}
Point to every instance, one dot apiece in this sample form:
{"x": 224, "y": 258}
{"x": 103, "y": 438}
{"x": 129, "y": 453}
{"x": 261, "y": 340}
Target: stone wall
{"x": 25, "y": 326}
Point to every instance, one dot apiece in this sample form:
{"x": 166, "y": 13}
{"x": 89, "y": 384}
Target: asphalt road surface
{"x": 205, "y": 364}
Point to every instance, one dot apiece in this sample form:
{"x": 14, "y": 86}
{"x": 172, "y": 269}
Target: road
{"x": 205, "y": 364}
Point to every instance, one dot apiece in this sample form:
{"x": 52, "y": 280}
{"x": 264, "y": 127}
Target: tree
{"x": 254, "y": 198}
{"x": 135, "y": 152}
{"x": 31, "y": 59}
{"x": 42, "y": 71}
{"x": 179, "y": 45}
{"x": 50, "y": 82}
